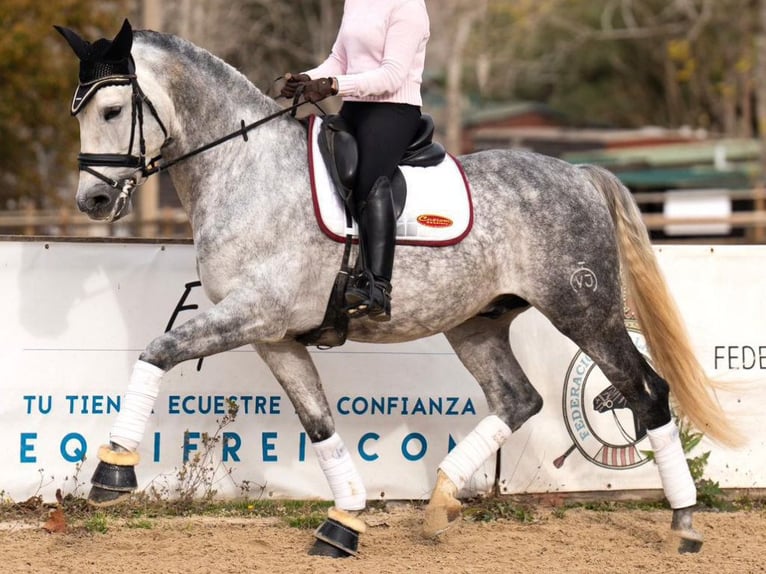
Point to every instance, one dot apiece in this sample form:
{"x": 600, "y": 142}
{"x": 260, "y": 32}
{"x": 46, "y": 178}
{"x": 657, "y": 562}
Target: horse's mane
{"x": 216, "y": 72}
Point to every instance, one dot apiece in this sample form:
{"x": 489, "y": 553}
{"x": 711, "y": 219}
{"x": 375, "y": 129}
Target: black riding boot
{"x": 371, "y": 295}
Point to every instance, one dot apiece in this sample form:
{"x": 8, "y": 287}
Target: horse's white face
{"x": 105, "y": 128}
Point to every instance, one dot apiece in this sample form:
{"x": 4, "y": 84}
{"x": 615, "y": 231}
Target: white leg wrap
{"x": 136, "y": 405}
{"x": 344, "y": 480}
{"x": 676, "y": 479}
{"x": 471, "y": 452}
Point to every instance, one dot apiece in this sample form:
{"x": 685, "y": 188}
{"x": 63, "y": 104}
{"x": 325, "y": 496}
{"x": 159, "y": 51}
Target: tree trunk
{"x": 464, "y": 21}
{"x": 761, "y": 82}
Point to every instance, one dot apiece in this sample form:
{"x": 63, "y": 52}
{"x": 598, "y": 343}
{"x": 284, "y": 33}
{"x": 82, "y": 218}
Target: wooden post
{"x": 30, "y": 217}
{"x": 65, "y": 217}
{"x": 467, "y": 13}
{"x": 148, "y": 195}
{"x": 759, "y": 233}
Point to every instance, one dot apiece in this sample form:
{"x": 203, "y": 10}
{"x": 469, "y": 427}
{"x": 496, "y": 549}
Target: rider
{"x": 376, "y": 66}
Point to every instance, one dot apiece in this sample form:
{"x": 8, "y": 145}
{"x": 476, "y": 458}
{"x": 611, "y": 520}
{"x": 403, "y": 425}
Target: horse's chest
{"x": 216, "y": 277}
{"x": 238, "y": 266}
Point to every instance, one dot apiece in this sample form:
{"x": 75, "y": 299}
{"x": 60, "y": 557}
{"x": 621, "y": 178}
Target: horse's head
{"x": 120, "y": 130}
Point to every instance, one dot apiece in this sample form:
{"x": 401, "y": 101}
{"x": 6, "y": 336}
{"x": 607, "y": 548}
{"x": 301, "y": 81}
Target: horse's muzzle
{"x": 103, "y": 203}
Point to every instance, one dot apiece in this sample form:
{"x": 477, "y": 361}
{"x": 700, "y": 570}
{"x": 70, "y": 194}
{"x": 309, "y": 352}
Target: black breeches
{"x": 383, "y": 131}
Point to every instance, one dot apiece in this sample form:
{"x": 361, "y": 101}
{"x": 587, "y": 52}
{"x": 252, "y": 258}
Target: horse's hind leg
{"x": 611, "y": 348}
{"x": 292, "y": 366}
{"x": 483, "y": 347}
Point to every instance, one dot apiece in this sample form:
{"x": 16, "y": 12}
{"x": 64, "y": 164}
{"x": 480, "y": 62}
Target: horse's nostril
{"x": 94, "y": 201}
{"x": 98, "y": 200}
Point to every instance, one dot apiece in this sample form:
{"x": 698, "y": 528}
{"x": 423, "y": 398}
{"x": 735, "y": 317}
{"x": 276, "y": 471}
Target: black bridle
{"x": 87, "y": 161}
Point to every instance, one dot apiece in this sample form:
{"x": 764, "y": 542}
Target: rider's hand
{"x": 292, "y": 81}
{"x": 317, "y": 90}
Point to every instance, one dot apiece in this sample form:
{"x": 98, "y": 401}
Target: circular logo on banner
{"x": 598, "y": 418}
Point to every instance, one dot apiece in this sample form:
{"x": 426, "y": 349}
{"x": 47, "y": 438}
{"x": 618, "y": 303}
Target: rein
{"x": 242, "y": 131}
{"x": 87, "y": 161}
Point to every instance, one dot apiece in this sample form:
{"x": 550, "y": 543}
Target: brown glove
{"x": 317, "y": 90}
{"x": 292, "y": 81}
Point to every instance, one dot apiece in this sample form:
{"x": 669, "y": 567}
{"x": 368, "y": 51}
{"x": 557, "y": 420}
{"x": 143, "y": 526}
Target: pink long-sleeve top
{"x": 379, "y": 54}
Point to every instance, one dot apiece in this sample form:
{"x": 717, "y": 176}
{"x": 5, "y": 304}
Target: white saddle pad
{"x": 438, "y": 211}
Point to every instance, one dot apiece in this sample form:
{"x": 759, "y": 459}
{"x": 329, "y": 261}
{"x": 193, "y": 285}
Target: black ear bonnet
{"x": 104, "y": 62}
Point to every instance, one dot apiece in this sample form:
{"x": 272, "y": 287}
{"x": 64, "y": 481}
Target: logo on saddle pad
{"x": 438, "y": 211}
{"x": 434, "y": 221}
{"x": 598, "y": 419}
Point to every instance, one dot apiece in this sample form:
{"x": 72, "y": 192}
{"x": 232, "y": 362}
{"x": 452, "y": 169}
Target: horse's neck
{"x": 209, "y": 99}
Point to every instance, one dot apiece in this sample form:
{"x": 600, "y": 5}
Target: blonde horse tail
{"x": 672, "y": 355}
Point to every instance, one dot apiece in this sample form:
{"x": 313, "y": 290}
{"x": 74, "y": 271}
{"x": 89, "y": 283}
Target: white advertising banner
{"x": 75, "y": 317}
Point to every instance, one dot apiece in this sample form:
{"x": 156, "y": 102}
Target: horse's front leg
{"x": 231, "y": 323}
{"x": 292, "y": 366}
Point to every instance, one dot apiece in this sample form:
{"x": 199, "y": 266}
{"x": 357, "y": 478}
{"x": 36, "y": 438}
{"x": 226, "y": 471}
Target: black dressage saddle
{"x": 339, "y": 152}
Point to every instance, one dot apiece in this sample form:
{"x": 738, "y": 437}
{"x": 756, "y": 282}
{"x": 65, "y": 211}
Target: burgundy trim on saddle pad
{"x": 414, "y": 241}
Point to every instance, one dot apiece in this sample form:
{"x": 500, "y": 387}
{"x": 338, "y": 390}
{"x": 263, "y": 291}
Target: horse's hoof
{"x": 111, "y": 484}
{"x": 114, "y": 477}
{"x": 101, "y": 497}
{"x": 439, "y": 519}
{"x": 684, "y": 542}
{"x": 443, "y": 509}
{"x": 685, "y": 538}
{"x": 335, "y": 540}
{"x": 689, "y": 546}
{"x": 322, "y": 548}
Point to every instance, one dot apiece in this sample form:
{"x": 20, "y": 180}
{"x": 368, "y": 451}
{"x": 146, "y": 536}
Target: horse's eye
{"x": 112, "y": 112}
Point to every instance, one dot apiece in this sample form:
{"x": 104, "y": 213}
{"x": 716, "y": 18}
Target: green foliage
{"x": 96, "y": 523}
{"x": 498, "y": 508}
{"x": 626, "y": 64}
{"x": 38, "y": 72}
{"x": 304, "y": 515}
{"x": 140, "y": 523}
{"x": 709, "y": 492}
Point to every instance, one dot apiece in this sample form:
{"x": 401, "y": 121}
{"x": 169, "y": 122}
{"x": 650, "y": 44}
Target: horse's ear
{"x": 80, "y": 47}
{"x": 122, "y": 43}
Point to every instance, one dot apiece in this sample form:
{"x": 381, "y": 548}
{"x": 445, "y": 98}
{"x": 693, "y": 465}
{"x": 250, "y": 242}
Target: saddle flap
{"x": 340, "y": 154}
{"x": 399, "y": 193}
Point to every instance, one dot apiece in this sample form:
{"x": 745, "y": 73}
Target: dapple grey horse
{"x": 546, "y": 234}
